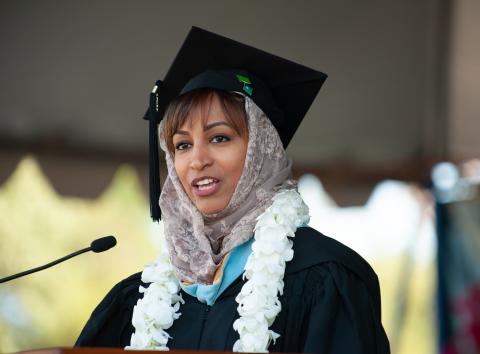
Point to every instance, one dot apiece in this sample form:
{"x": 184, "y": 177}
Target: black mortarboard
{"x": 284, "y": 90}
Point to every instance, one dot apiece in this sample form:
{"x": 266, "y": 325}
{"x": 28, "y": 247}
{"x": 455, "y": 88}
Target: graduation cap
{"x": 284, "y": 90}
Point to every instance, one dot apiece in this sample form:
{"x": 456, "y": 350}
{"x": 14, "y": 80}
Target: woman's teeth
{"x": 204, "y": 181}
{"x": 205, "y": 184}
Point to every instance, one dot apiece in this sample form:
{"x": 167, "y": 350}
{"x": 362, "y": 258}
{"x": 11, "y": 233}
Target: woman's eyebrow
{"x": 181, "y": 132}
{"x": 205, "y": 128}
{"x": 215, "y": 124}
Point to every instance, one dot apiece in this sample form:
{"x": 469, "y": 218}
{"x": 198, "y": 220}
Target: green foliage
{"x": 36, "y": 226}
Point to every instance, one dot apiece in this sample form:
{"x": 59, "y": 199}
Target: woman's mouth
{"x": 205, "y": 186}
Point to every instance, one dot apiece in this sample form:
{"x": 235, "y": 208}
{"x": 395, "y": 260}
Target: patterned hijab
{"x": 198, "y": 243}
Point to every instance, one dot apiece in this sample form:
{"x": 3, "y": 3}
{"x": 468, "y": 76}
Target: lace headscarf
{"x": 198, "y": 243}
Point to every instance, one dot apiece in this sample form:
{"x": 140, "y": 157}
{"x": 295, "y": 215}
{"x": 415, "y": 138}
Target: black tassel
{"x": 154, "y": 168}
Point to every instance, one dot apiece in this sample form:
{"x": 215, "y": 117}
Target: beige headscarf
{"x": 197, "y": 243}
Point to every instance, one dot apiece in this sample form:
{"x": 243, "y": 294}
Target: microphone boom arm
{"x": 48, "y": 265}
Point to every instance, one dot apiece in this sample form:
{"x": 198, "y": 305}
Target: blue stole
{"x": 232, "y": 269}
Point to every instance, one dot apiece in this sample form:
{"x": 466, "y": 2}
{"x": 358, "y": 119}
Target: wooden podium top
{"x": 64, "y": 350}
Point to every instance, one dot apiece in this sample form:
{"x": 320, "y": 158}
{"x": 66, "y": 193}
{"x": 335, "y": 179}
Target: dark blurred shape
{"x": 458, "y": 261}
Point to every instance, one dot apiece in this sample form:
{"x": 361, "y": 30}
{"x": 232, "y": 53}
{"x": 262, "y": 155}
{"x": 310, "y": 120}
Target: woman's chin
{"x": 207, "y": 207}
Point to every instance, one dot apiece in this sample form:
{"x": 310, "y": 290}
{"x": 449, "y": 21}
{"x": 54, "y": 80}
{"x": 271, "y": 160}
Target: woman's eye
{"x": 182, "y": 146}
{"x": 220, "y": 139}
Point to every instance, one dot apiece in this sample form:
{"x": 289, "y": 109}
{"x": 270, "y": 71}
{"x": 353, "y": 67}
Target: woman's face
{"x": 209, "y": 157}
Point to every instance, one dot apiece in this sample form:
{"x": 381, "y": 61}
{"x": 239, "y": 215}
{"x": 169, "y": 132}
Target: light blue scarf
{"x": 232, "y": 269}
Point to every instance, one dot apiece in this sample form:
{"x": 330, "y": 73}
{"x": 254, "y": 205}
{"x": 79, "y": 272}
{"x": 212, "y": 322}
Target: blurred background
{"x": 401, "y": 105}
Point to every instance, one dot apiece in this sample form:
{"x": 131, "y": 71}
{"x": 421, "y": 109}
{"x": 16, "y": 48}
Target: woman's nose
{"x": 200, "y": 157}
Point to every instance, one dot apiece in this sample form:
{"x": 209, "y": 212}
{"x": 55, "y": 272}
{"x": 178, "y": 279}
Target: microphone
{"x": 102, "y": 244}
{"x": 99, "y": 245}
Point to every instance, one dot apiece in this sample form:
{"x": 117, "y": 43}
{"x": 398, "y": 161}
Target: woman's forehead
{"x": 206, "y": 112}
{"x": 202, "y": 108}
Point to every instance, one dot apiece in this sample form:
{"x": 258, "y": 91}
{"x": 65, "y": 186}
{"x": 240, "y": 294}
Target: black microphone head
{"x": 103, "y": 244}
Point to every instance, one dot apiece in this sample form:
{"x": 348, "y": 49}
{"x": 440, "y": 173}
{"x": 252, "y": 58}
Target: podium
{"x": 83, "y": 350}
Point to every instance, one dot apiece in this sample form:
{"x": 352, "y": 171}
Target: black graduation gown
{"x": 330, "y": 304}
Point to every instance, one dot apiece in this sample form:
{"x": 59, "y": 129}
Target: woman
{"x": 243, "y": 270}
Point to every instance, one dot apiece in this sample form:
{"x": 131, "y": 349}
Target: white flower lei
{"x": 258, "y": 300}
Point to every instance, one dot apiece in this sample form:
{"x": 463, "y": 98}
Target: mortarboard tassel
{"x": 154, "y": 168}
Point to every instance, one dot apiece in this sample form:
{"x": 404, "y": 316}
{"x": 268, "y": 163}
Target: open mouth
{"x": 205, "y": 185}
